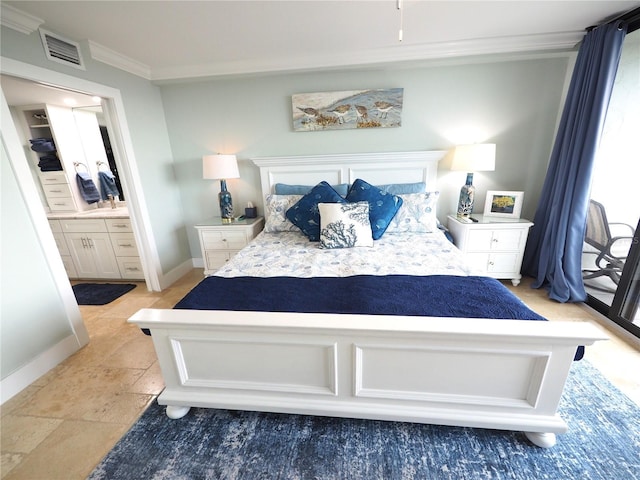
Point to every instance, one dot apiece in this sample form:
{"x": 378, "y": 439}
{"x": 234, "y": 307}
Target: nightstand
{"x": 220, "y": 241}
{"x": 492, "y": 245}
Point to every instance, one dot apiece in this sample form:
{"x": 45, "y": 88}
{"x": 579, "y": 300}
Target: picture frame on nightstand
{"x": 507, "y": 204}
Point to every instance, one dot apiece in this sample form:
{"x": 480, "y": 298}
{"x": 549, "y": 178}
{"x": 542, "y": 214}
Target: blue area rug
{"x": 100, "y": 293}
{"x": 603, "y": 442}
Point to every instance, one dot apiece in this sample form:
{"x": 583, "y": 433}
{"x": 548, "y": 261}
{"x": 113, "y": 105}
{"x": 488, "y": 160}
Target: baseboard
{"x": 32, "y": 371}
{"x": 176, "y": 274}
{"x": 198, "y": 263}
{"x": 613, "y": 327}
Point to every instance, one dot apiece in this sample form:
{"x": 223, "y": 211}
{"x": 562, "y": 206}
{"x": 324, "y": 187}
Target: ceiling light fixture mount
{"x": 399, "y": 7}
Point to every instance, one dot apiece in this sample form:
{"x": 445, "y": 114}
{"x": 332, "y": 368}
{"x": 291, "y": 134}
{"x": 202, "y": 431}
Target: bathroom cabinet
{"x": 97, "y": 248}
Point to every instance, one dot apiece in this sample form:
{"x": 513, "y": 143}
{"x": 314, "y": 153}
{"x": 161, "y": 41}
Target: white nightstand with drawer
{"x": 493, "y": 245}
{"x": 220, "y": 241}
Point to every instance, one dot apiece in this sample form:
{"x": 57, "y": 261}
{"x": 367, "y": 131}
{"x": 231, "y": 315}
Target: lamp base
{"x": 226, "y": 202}
{"x": 467, "y": 194}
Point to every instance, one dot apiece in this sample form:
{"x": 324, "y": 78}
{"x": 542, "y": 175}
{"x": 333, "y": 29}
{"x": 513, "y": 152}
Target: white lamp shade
{"x": 219, "y": 167}
{"x": 478, "y": 157}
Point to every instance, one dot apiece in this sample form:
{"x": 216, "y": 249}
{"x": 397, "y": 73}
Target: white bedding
{"x": 292, "y": 254}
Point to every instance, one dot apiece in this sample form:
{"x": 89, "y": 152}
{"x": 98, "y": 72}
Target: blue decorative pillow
{"x": 382, "y": 206}
{"x": 305, "y": 214}
{"x": 286, "y": 189}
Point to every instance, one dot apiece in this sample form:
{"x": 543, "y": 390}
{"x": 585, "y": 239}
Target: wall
{"x": 30, "y": 303}
{"x": 511, "y": 102}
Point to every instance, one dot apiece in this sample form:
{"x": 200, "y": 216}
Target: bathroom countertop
{"x": 118, "y": 212}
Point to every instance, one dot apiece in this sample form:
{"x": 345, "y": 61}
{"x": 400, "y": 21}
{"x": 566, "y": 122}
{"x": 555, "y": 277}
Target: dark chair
{"x": 598, "y": 235}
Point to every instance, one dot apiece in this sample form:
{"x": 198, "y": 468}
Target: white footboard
{"x": 501, "y": 374}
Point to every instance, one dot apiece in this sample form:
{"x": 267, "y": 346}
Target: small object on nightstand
{"x": 474, "y": 220}
{"x": 250, "y": 211}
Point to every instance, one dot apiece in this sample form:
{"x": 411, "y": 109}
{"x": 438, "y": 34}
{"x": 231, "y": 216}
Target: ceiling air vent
{"x": 61, "y": 50}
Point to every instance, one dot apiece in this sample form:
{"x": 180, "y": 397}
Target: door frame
{"x": 117, "y": 127}
{"x": 628, "y": 287}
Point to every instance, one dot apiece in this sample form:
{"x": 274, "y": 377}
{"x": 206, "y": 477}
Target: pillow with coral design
{"x": 345, "y": 225}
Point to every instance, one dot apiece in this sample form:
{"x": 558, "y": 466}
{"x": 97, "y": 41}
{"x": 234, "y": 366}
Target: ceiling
{"x": 168, "y": 41}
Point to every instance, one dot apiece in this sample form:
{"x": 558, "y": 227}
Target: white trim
{"x": 18, "y": 20}
{"x": 29, "y": 373}
{"x": 103, "y": 54}
{"x": 550, "y": 42}
{"x": 197, "y": 262}
{"x": 123, "y": 147}
{"x": 177, "y": 273}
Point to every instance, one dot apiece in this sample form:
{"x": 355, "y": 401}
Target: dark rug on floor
{"x": 100, "y": 293}
{"x": 603, "y": 442}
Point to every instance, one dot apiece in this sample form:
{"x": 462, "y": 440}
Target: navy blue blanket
{"x": 431, "y": 296}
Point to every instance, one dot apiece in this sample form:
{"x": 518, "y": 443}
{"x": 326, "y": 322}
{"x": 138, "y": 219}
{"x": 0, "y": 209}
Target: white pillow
{"x": 345, "y": 225}
{"x": 417, "y": 214}
{"x": 275, "y": 208}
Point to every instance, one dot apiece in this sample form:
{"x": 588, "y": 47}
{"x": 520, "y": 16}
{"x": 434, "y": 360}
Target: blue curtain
{"x": 553, "y": 255}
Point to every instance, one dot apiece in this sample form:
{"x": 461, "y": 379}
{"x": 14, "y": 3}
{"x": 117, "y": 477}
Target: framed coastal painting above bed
{"x": 347, "y": 109}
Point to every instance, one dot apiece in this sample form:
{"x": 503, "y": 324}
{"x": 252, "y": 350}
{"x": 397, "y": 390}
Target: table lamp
{"x": 477, "y": 157}
{"x": 221, "y": 167}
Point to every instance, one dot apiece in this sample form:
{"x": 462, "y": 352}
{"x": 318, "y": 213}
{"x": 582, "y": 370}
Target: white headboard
{"x": 374, "y": 168}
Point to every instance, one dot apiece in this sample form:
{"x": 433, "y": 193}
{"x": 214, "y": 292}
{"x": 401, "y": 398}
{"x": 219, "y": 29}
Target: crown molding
{"x": 18, "y": 20}
{"x": 103, "y": 54}
{"x": 553, "y": 42}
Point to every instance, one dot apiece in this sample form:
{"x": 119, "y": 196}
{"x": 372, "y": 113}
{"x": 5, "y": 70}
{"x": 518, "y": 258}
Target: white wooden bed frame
{"x": 499, "y": 374}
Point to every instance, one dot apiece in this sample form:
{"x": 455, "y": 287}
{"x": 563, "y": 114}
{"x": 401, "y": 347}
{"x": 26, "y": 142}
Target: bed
{"x": 251, "y": 337}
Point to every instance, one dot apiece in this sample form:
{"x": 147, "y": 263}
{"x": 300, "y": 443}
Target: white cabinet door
{"x": 92, "y": 255}
{"x": 104, "y": 257}
{"x": 81, "y": 255}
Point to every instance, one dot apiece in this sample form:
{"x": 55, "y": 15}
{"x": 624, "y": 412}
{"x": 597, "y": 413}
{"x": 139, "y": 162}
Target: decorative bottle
{"x": 226, "y": 204}
{"x": 467, "y": 192}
